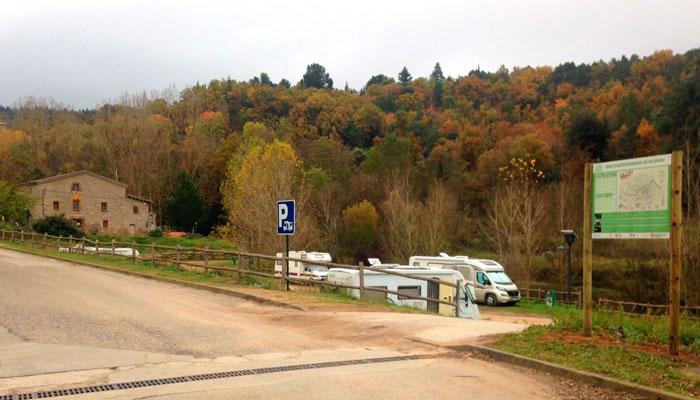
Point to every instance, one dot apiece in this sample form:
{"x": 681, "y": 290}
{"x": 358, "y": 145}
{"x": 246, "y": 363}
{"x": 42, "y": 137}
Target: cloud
{"x": 82, "y": 53}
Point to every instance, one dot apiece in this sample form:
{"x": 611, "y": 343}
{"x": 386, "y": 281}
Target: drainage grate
{"x": 201, "y": 377}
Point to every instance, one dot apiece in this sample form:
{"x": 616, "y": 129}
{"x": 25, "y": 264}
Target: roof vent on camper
{"x": 444, "y": 255}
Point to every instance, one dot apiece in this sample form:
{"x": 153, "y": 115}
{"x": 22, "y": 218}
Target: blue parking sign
{"x": 286, "y": 214}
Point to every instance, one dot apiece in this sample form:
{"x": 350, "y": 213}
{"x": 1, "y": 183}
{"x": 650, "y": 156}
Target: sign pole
{"x": 285, "y": 278}
{"x": 587, "y": 252}
{"x": 569, "y": 271}
{"x": 674, "y": 281}
{"x": 286, "y": 226}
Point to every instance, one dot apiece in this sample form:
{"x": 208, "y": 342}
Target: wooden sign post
{"x": 674, "y": 282}
{"x": 587, "y": 253}
{"x": 639, "y": 198}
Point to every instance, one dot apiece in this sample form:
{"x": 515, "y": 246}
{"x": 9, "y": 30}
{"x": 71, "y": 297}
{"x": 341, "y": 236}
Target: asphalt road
{"x": 64, "y": 326}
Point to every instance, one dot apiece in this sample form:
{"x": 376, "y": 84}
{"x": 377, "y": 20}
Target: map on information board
{"x": 631, "y": 198}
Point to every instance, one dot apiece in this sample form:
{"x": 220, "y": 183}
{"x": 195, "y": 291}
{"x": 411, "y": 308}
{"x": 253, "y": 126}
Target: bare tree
{"x": 438, "y": 219}
{"x": 500, "y": 228}
{"x": 515, "y": 222}
{"x": 401, "y": 236}
{"x": 530, "y": 216}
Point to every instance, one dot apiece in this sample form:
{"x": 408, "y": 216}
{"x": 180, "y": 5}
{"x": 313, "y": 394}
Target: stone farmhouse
{"x": 96, "y": 203}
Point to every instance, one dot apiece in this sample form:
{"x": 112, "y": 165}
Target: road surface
{"x": 66, "y": 326}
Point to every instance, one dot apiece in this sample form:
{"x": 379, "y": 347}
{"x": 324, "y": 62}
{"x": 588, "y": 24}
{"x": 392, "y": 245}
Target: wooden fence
{"x": 633, "y": 308}
{"x": 201, "y": 260}
{"x": 562, "y": 296}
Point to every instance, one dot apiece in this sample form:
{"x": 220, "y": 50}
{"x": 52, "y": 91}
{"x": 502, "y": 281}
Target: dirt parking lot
{"x": 64, "y": 325}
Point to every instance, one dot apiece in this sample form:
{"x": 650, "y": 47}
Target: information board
{"x": 631, "y": 198}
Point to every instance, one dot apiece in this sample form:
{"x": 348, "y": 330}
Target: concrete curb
{"x": 202, "y": 286}
{"x": 570, "y": 373}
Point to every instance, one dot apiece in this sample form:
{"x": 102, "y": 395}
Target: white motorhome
{"x": 491, "y": 284}
{"x": 416, "y": 287}
{"x": 305, "y": 268}
{"x": 119, "y": 251}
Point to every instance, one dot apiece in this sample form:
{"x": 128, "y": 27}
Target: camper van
{"x": 491, "y": 284}
{"x": 305, "y": 268}
{"x": 416, "y": 287}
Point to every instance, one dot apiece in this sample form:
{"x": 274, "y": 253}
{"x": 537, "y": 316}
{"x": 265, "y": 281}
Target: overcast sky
{"x": 83, "y": 53}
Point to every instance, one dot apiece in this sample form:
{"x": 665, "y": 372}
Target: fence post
{"x": 153, "y": 254}
{"x": 70, "y": 244}
{"x": 113, "y": 251}
{"x": 362, "y": 279}
{"x": 238, "y": 267}
{"x": 46, "y": 239}
{"x": 206, "y": 260}
{"x": 21, "y": 236}
{"x": 58, "y": 246}
{"x": 82, "y": 245}
{"x": 177, "y": 257}
{"x": 12, "y": 236}
{"x": 459, "y": 283}
{"x": 580, "y": 300}
{"x": 133, "y": 251}
{"x": 97, "y": 247}
{"x": 3, "y": 234}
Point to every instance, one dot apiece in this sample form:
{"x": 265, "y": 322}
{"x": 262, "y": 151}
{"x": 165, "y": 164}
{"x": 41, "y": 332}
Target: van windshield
{"x": 499, "y": 278}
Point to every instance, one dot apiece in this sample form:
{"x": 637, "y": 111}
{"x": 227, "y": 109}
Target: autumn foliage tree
{"x": 360, "y": 230}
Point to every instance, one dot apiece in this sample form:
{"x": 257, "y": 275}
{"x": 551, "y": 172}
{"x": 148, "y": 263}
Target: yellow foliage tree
{"x": 267, "y": 174}
{"x": 14, "y": 161}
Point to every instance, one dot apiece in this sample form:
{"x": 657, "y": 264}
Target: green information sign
{"x": 631, "y": 198}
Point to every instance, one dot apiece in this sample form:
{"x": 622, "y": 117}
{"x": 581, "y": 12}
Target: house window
{"x": 105, "y": 224}
{"x": 104, "y": 206}
{"x": 55, "y": 206}
{"x": 75, "y": 187}
{"x": 76, "y": 205}
{"x": 136, "y": 209}
{"x": 410, "y": 290}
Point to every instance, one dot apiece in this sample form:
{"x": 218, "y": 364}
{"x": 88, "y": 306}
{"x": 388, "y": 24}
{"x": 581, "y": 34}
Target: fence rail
{"x": 562, "y": 296}
{"x": 245, "y": 263}
{"x": 634, "y": 308}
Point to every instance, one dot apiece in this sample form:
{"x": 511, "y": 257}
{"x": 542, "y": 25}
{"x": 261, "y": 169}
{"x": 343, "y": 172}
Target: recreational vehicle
{"x": 491, "y": 284}
{"x": 119, "y": 251}
{"x": 305, "y": 268}
{"x": 415, "y": 287}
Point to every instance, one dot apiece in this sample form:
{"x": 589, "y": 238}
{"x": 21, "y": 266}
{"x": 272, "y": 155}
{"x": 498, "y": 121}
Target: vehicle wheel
{"x": 491, "y": 300}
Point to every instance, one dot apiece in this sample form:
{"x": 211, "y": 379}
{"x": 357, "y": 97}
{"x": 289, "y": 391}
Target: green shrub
{"x": 156, "y": 233}
{"x": 57, "y": 225}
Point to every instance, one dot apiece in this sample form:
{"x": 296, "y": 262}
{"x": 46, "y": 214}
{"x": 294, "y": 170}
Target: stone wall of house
{"x": 123, "y": 215}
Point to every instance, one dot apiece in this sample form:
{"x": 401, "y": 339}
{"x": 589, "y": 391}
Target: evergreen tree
{"x": 405, "y": 76}
{"x": 588, "y": 133}
{"x": 317, "y": 77}
{"x": 285, "y": 83}
{"x": 265, "y": 79}
{"x": 380, "y": 79}
{"x": 437, "y": 77}
{"x": 185, "y": 209}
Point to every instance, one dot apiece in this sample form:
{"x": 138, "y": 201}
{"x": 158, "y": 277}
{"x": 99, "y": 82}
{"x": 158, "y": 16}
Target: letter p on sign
{"x": 286, "y": 217}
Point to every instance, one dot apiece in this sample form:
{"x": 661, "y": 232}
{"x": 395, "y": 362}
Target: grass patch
{"x": 629, "y": 348}
{"x": 200, "y": 242}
